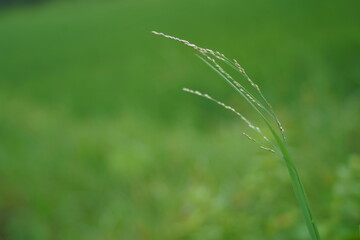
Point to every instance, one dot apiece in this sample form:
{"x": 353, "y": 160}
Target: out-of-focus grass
{"x": 98, "y": 142}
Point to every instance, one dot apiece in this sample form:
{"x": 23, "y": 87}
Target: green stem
{"x": 299, "y": 191}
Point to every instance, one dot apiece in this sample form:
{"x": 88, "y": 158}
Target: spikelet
{"x": 221, "y": 104}
{"x": 267, "y": 149}
{"x": 242, "y": 71}
{"x": 248, "y": 123}
{"x": 203, "y": 51}
{"x": 255, "y": 141}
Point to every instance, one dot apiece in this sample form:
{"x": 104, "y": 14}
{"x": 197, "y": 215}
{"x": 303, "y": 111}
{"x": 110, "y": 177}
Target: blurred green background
{"x": 97, "y": 140}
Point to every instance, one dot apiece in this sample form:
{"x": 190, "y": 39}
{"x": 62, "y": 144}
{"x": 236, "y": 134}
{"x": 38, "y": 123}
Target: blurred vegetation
{"x": 98, "y": 142}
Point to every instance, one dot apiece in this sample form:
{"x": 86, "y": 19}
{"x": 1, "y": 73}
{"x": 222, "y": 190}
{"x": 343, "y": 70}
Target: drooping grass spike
{"x": 266, "y": 113}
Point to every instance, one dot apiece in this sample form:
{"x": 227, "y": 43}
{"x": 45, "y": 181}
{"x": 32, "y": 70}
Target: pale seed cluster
{"x": 211, "y": 56}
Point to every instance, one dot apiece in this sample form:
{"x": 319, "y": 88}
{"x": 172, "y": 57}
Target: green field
{"x": 97, "y": 140}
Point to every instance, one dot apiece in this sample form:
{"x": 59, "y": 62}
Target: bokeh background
{"x": 97, "y": 140}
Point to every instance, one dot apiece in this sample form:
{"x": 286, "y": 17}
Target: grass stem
{"x": 210, "y": 57}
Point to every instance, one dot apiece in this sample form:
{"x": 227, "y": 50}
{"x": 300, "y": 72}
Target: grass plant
{"x": 251, "y": 93}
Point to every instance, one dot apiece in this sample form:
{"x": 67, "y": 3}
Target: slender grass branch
{"x": 266, "y": 113}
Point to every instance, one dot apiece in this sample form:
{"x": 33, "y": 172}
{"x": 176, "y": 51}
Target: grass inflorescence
{"x": 261, "y": 105}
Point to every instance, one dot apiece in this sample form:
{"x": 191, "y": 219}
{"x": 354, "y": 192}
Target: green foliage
{"x": 98, "y": 141}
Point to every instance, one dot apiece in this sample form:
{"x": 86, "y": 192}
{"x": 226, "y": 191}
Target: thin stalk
{"x": 259, "y": 108}
{"x": 294, "y": 175}
{"x": 298, "y": 188}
